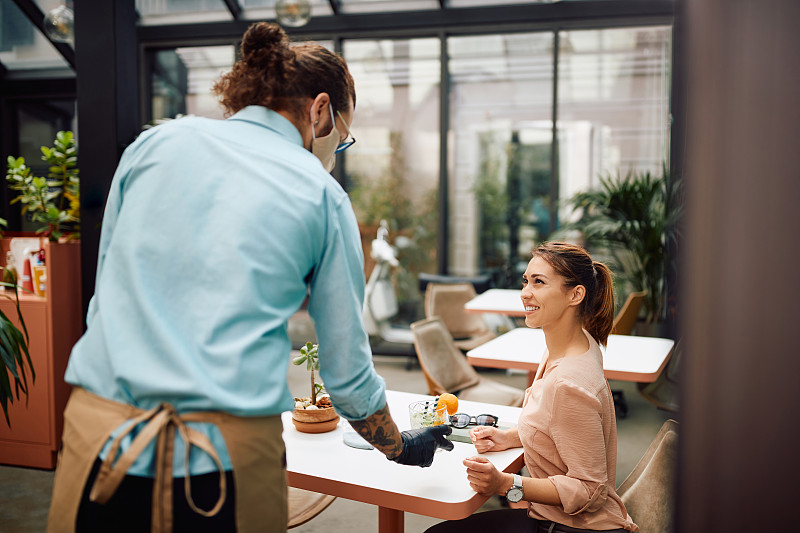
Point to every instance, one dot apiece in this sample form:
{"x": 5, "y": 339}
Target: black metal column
{"x": 443, "y": 240}
{"x": 108, "y": 117}
{"x": 555, "y": 184}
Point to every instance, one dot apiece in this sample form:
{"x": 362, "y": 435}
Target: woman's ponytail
{"x": 599, "y": 319}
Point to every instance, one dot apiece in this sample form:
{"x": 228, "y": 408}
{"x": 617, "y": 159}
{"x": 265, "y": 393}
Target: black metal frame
{"x": 113, "y": 85}
{"x": 451, "y": 21}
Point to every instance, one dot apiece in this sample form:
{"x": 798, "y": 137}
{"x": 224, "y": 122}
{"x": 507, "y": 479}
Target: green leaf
{"x": 8, "y": 361}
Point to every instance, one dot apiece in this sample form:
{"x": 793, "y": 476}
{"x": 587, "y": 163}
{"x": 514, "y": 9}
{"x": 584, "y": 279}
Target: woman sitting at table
{"x": 567, "y": 427}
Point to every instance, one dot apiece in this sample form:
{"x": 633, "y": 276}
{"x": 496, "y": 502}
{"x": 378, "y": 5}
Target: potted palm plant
{"x": 635, "y": 220}
{"x": 315, "y": 413}
{"x": 13, "y": 357}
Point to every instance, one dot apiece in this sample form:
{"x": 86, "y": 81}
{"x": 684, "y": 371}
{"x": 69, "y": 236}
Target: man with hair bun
{"x": 214, "y": 234}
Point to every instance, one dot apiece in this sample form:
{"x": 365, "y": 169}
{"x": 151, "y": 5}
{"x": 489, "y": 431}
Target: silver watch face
{"x": 514, "y": 494}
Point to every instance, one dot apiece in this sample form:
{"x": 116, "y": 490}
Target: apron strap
{"x": 160, "y": 422}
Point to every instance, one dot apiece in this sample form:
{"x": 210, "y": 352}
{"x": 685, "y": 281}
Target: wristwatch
{"x": 514, "y": 494}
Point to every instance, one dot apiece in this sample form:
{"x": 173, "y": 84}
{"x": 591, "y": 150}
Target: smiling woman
{"x": 567, "y": 426}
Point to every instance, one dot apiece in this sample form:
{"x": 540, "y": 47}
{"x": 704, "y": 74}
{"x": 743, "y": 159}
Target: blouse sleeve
{"x": 577, "y": 431}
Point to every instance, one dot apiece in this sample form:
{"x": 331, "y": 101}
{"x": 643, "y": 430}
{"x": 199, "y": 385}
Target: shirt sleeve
{"x": 335, "y": 304}
{"x": 577, "y": 431}
{"x": 111, "y": 214}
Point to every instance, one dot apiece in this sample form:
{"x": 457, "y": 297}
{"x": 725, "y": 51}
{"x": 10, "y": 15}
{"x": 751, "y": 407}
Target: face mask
{"x": 325, "y": 147}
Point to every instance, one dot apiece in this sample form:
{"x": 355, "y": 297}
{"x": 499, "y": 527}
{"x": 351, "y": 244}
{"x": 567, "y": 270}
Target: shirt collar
{"x": 268, "y": 118}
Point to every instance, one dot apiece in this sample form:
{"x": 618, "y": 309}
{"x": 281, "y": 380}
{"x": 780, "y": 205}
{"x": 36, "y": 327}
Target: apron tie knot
{"x": 161, "y": 423}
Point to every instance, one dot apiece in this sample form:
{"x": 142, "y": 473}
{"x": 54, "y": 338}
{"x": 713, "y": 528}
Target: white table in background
{"x": 501, "y": 301}
{"x": 323, "y": 463}
{"x": 627, "y": 357}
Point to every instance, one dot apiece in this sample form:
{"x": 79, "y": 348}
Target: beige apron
{"x": 254, "y": 444}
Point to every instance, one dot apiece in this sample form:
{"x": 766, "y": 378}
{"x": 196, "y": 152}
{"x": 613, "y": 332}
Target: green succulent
{"x": 308, "y": 355}
{"x": 53, "y": 202}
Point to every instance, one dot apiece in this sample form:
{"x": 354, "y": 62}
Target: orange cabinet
{"x": 54, "y": 324}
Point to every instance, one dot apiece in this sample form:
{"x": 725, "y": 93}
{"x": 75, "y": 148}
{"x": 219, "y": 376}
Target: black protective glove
{"x": 419, "y": 445}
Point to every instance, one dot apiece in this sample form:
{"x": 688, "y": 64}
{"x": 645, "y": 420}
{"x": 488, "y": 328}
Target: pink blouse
{"x": 569, "y": 435}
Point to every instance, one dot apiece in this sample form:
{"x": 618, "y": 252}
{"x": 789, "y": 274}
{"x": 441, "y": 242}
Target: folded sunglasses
{"x": 462, "y": 420}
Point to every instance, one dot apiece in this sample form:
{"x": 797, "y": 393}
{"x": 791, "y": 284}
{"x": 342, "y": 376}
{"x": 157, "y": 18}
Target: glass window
{"x": 374, "y": 6}
{"x": 181, "y": 11}
{"x": 392, "y": 171}
{"x": 22, "y": 46}
{"x": 501, "y": 132}
{"x": 613, "y": 109}
{"x": 183, "y": 77}
{"x": 265, "y": 9}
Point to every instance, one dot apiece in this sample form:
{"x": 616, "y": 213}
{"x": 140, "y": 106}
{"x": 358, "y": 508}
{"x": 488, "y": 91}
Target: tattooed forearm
{"x": 380, "y": 430}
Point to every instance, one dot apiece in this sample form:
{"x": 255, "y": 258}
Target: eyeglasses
{"x": 462, "y": 420}
{"x": 347, "y": 143}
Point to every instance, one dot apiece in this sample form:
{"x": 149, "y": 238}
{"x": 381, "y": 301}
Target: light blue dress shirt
{"x": 212, "y": 233}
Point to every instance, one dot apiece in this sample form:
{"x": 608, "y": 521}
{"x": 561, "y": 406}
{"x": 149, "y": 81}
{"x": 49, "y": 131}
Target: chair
{"x": 624, "y": 323}
{"x": 446, "y": 369}
{"x": 648, "y": 491}
{"x": 446, "y": 301}
{"x": 663, "y": 392}
{"x": 627, "y": 316}
{"x": 305, "y": 505}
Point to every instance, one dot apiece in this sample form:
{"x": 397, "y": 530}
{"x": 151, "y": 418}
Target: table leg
{"x": 531, "y": 375}
{"x": 390, "y": 520}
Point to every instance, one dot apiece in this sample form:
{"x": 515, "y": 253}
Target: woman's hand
{"x": 485, "y": 478}
{"x": 491, "y": 439}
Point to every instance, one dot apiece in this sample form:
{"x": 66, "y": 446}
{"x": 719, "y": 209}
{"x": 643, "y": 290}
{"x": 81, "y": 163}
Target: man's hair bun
{"x": 273, "y": 73}
{"x": 266, "y": 46}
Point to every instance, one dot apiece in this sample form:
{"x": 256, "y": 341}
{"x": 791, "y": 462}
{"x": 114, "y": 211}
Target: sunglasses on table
{"x": 462, "y": 420}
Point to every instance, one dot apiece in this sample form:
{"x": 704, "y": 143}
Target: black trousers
{"x": 130, "y": 508}
{"x": 505, "y": 521}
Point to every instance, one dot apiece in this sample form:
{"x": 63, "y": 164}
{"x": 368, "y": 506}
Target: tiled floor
{"x": 25, "y": 493}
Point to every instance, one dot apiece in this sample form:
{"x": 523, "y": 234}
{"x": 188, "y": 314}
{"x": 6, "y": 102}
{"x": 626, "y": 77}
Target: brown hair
{"x": 276, "y": 74}
{"x": 576, "y": 266}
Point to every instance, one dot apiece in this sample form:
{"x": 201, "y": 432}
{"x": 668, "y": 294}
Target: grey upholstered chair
{"x": 446, "y": 300}
{"x": 305, "y": 505}
{"x": 446, "y": 369}
{"x": 648, "y": 491}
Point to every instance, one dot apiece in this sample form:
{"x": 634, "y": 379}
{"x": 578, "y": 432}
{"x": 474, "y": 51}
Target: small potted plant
{"x": 314, "y": 414}
{"x": 53, "y": 203}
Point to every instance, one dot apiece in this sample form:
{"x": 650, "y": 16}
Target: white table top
{"x": 627, "y": 358}
{"x": 502, "y": 301}
{"x": 323, "y": 463}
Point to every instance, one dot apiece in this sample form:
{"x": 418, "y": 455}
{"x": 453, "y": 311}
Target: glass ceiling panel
{"x": 22, "y": 45}
{"x": 181, "y": 11}
{"x": 265, "y": 9}
{"x": 492, "y": 3}
{"x": 376, "y": 6}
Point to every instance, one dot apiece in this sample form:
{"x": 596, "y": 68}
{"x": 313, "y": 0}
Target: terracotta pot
{"x": 315, "y": 420}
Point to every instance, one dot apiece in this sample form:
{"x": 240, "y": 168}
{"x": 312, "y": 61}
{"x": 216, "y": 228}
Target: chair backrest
{"x": 304, "y": 505}
{"x": 447, "y": 302}
{"x": 626, "y": 319}
{"x": 445, "y": 367}
{"x": 648, "y": 491}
